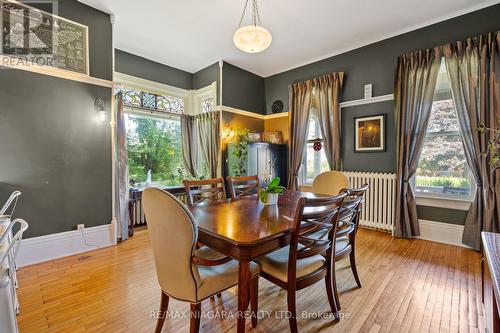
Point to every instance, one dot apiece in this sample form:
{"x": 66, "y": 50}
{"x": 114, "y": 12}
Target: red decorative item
{"x": 317, "y": 145}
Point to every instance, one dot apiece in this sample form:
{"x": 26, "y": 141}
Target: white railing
{"x": 378, "y": 209}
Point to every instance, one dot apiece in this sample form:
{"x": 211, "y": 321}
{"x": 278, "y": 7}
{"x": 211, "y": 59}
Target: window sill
{"x": 440, "y": 202}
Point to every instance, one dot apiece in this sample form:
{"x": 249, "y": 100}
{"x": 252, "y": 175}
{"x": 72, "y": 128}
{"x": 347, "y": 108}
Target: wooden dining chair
{"x": 330, "y": 183}
{"x": 184, "y": 272}
{"x": 302, "y": 264}
{"x": 204, "y": 191}
{"x": 349, "y": 216}
{"x": 241, "y": 186}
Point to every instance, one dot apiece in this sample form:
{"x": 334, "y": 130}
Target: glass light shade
{"x": 252, "y": 38}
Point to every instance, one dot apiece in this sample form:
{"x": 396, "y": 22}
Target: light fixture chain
{"x": 256, "y": 13}
{"x": 243, "y": 14}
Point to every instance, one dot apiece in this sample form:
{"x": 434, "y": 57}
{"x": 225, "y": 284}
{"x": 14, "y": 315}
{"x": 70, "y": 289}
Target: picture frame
{"x": 370, "y": 134}
{"x": 273, "y": 137}
{"x": 52, "y": 41}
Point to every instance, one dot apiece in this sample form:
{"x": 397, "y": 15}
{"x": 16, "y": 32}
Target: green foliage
{"x": 239, "y": 152}
{"x": 272, "y": 187}
{"x": 493, "y": 149}
{"x": 155, "y": 144}
{"x": 456, "y": 182}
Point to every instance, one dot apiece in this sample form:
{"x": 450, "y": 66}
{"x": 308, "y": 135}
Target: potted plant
{"x": 269, "y": 194}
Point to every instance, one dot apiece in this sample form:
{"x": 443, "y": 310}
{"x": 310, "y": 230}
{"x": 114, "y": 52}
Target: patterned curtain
{"x": 121, "y": 171}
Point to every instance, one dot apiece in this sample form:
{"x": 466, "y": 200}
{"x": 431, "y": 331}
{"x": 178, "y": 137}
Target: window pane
{"x": 131, "y": 97}
{"x": 314, "y": 128}
{"x": 207, "y": 104}
{"x": 314, "y": 163}
{"x": 154, "y": 144}
{"x": 442, "y": 168}
{"x": 170, "y": 104}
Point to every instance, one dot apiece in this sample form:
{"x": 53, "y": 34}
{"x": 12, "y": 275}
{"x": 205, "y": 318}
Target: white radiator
{"x": 378, "y": 208}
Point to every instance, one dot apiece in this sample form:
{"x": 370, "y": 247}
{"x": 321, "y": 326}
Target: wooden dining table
{"x": 244, "y": 229}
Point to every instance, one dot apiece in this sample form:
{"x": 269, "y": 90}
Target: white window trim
{"x": 443, "y": 202}
{"x": 129, "y": 81}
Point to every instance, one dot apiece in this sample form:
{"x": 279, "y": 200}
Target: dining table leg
{"x": 243, "y": 296}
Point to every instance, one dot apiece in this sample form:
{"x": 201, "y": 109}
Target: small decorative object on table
{"x": 269, "y": 194}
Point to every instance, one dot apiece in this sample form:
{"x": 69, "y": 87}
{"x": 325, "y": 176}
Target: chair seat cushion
{"x": 276, "y": 264}
{"x": 215, "y": 279}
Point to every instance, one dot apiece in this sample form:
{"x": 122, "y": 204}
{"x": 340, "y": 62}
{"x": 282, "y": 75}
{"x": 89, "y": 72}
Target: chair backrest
{"x": 241, "y": 186}
{"x": 353, "y": 205}
{"x": 330, "y": 183}
{"x": 321, "y": 214}
{"x": 204, "y": 191}
{"x": 10, "y": 203}
{"x": 173, "y": 234}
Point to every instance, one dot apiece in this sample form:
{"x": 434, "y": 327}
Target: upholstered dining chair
{"x": 302, "y": 264}
{"x": 330, "y": 183}
{"x": 241, "y": 186}
{"x": 183, "y": 271}
{"x": 204, "y": 191}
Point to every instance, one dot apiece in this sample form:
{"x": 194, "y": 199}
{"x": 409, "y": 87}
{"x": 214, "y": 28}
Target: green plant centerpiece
{"x": 269, "y": 194}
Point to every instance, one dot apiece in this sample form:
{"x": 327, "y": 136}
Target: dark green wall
{"x": 52, "y": 147}
{"x": 134, "y": 65}
{"x": 242, "y": 89}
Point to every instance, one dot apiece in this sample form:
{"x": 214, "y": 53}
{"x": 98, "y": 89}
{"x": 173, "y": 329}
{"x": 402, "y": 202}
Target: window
{"x": 153, "y": 137}
{"x": 442, "y": 168}
{"x": 314, "y": 162}
{"x": 207, "y": 104}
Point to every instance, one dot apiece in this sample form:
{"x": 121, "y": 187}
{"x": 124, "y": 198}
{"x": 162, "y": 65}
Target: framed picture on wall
{"x": 273, "y": 137}
{"x": 369, "y": 134}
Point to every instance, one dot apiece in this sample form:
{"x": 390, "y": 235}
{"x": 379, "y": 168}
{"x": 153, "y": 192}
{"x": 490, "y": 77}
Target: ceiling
{"x": 193, "y": 34}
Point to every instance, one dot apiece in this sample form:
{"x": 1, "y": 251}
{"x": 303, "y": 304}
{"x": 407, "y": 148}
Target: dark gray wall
{"x": 134, "y": 65}
{"x": 54, "y": 151}
{"x": 375, "y": 64}
{"x": 100, "y": 35}
{"x": 52, "y": 147}
{"x": 242, "y": 89}
{"x": 207, "y": 76}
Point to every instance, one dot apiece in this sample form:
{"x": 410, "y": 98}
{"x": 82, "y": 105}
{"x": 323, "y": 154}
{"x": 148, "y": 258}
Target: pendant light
{"x": 252, "y": 38}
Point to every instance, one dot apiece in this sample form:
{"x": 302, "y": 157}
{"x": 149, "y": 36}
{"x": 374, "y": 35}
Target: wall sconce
{"x": 228, "y": 132}
{"x": 100, "y": 109}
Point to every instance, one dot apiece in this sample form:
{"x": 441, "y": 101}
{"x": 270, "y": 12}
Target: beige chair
{"x": 330, "y": 183}
{"x": 184, "y": 272}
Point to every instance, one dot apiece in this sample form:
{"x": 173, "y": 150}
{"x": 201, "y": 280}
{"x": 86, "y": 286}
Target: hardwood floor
{"x": 408, "y": 286}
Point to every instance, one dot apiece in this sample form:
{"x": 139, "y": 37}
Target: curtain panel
{"x": 474, "y": 69}
{"x": 208, "y": 128}
{"x": 121, "y": 170}
{"x": 328, "y": 90}
{"x": 322, "y": 93}
{"x": 190, "y": 145}
{"x": 415, "y": 80}
{"x": 300, "y": 106}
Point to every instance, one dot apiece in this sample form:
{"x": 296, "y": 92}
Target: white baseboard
{"x": 441, "y": 232}
{"x": 39, "y": 249}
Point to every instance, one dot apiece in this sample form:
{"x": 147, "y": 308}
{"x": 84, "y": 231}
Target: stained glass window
{"x": 148, "y": 100}
{"x": 207, "y": 104}
{"x": 170, "y": 104}
{"x": 143, "y": 99}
